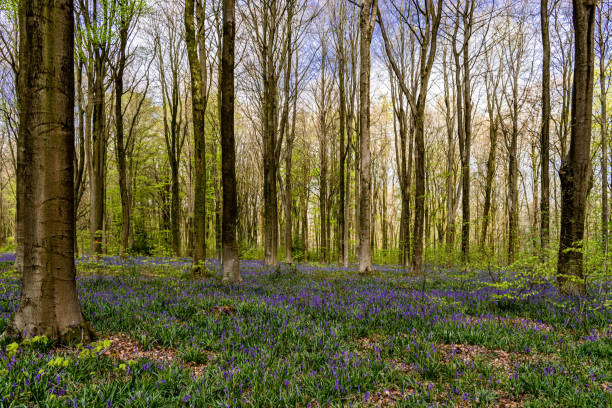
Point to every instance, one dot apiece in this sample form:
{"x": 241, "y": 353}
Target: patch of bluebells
{"x": 292, "y": 338}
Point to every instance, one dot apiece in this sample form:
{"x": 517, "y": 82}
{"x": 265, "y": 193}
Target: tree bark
{"x": 343, "y": 236}
{"x": 545, "y": 134}
{"x": 323, "y": 160}
{"x": 576, "y": 172}
{"x": 367, "y": 19}
{"x": 120, "y": 144}
{"x": 49, "y": 303}
{"x": 98, "y": 160}
{"x": 230, "y": 262}
{"x": 199, "y": 141}
{"x": 604, "y": 44}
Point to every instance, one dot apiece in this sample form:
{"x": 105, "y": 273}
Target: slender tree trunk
{"x": 486, "y": 215}
{"x": 323, "y": 161}
{"x": 214, "y": 175}
{"x": 466, "y": 153}
{"x": 288, "y": 198}
{"x": 513, "y": 194}
{"x": 231, "y": 265}
{"x": 576, "y": 173}
{"x": 120, "y": 144}
{"x": 98, "y": 158}
{"x": 384, "y": 224}
{"x": 342, "y": 238}
{"x": 305, "y": 224}
{"x": 49, "y": 303}
{"x": 545, "y": 134}
{"x": 419, "y": 191}
{"x": 604, "y": 44}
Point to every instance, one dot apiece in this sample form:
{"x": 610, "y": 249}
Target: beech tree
{"x": 196, "y": 54}
{"x": 367, "y": 20}
{"x": 49, "y": 304}
{"x": 576, "y": 171}
{"x": 545, "y": 133}
{"x": 603, "y": 47}
{"x": 231, "y": 265}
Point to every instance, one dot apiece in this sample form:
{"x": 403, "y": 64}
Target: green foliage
{"x": 11, "y": 7}
{"x": 250, "y": 253}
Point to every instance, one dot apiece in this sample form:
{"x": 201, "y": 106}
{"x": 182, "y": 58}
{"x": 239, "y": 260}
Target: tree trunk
{"x": 604, "y": 45}
{"x": 366, "y": 26}
{"x": 120, "y": 144}
{"x": 342, "y": 236}
{"x": 545, "y": 134}
{"x": 49, "y": 303}
{"x": 270, "y": 163}
{"x": 576, "y": 172}
{"x": 231, "y": 265}
{"x": 175, "y": 210}
{"x": 419, "y": 191}
{"x": 288, "y": 199}
{"x": 98, "y": 159}
{"x": 513, "y": 193}
{"x": 467, "y": 148}
{"x": 323, "y": 162}
{"x": 486, "y": 214}
{"x": 199, "y": 147}
{"x": 384, "y": 224}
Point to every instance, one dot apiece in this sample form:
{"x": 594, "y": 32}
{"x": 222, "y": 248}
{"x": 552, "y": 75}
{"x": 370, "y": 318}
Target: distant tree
{"x": 170, "y": 52}
{"x": 431, "y": 15}
{"x": 49, "y": 303}
{"x": 129, "y": 11}
{"x": 96, "y": 21}
{"x": 269, "y": 23}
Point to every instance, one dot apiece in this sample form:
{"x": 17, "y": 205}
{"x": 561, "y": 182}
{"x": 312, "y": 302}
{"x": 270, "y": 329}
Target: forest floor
{"x": 313, "y": 336}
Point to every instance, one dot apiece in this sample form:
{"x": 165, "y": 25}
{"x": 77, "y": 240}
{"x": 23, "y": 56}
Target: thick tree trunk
{"x": 576, "y": 172}
{"x": 366, "y": 26}
{"x": 49, "y": 303}
{"x": 231, "y": 264}
{"x": 199, "y": 147}
{"x": 545, "y": 134}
